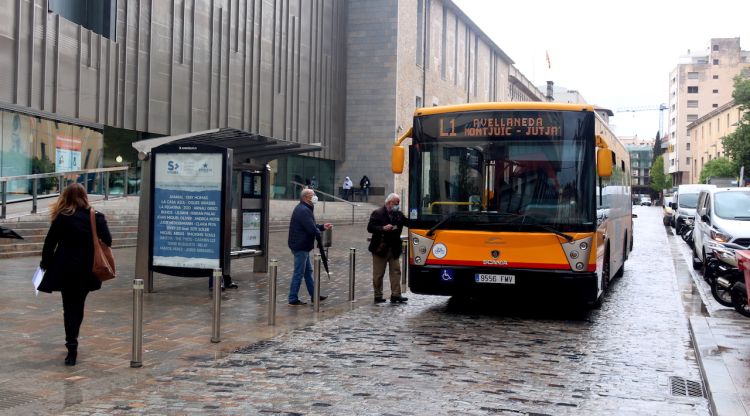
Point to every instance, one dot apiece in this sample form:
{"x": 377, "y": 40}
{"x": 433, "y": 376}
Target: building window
{"x": 692, "y": 117}
{"x": 715, "y": 105}
{"x": 99, "y": 16}
{"x": 716, "y": 91}
{"x": 418, "y": 102}
{"x": 687, "y": 159}
{"x": 693, "y": 90}
{"x": 716, "y": 47}
{"x": 687, "y": 146}
{"x": 693, "y": 75}
{"x": 716, "y": 62}
{"x": 716, "y": 77}
{"x": 692, "y": 103}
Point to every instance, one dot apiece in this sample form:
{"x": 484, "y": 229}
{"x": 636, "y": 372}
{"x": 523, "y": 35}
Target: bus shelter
{"x": 193, "y": 185}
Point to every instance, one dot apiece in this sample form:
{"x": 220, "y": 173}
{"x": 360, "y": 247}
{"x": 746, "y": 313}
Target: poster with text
{"x": 250, "y": 228}
{"x": 67, "y": 154}
{"x": 187, "y": 209}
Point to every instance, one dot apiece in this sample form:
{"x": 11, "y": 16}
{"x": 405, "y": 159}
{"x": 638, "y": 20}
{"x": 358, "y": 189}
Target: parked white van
{"x": 686, "y": 200}
{"x": 722, "y": 221}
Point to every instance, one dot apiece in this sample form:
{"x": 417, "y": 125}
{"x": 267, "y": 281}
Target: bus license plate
{"x": 505, "y": 279}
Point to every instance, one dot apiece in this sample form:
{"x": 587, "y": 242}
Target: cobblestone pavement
{"x": 434, "y": 356}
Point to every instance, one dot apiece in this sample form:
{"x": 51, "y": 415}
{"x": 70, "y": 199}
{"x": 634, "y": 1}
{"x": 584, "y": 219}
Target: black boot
{"x": 72, "y": 347}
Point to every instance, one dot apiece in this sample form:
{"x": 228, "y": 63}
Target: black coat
{"x": 68, "y": 253}
{"x": 392, "y": 239}
{"x": 302, "y": 228}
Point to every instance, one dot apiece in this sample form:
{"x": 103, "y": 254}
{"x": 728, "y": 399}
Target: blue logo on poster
{"x": 446, "y": 275}
{"x": 173, "y": 167}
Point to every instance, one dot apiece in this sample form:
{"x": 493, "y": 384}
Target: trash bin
{"x": 743, "y": 263}
{"x": 327, "y": 237}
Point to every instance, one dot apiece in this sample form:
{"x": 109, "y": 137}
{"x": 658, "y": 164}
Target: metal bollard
{"x": 352, "y": 262}
{"x": 218, "y": 277}
{"x": 137, "y": 355}
{"x": 272, "y": 274}
{"x": 34, "y": 191}
{"x": 316, "y": 278}
{"x": 404, "y": 264}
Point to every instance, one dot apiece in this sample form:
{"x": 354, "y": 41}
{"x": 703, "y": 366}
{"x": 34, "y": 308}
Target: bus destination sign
{"x": 504, "y": 126}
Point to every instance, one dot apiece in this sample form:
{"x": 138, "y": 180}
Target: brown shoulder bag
{"x": 104, "y": 261}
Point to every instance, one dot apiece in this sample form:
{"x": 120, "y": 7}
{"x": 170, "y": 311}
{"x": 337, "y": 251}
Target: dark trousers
{"x": 73, "y": 304}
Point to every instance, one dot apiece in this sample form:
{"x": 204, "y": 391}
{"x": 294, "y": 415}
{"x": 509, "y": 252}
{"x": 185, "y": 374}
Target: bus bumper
{"x": 436, "y": 280}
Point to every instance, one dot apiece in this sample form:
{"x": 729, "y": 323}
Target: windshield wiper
{"x": 742, "y": 217}
{"x": 447, "y": 219}
{"x": 533, "y": 224}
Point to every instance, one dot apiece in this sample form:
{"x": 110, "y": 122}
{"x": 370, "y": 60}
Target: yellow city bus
{"x": 515, "y": 197}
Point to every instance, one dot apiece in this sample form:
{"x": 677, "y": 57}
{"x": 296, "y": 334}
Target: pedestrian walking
{"x": 385, "y": 225}
{"x": 347, "y": 186}
{"x": 364, "y": 186}
{"x": 68, "y": 258}
{"x": 302, "y": 235}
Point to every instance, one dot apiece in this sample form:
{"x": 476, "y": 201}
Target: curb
{"x": 719, "y": 386}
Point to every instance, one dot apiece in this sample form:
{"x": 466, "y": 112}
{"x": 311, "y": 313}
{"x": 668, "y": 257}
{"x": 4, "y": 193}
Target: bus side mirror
{"x": 604, "y": 163}
{"x": 397, "y": 159}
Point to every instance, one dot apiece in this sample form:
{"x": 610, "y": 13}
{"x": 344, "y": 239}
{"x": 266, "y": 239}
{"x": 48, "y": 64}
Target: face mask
{"x": 396, "y": 208}
{"x": 314, "y": 199}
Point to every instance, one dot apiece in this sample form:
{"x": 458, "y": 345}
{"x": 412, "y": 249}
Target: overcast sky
{"x": 617, "y": 54}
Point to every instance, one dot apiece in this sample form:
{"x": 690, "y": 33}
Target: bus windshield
{"x": 546, "y": 177}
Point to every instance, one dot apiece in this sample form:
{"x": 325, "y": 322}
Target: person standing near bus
{"x": 302, "y": 234}
{"x": 364, "y": 185}
{"x": 347, "y": 187}
{"x": 385, "y": 225}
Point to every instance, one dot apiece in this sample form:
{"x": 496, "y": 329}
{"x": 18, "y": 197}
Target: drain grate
{"x": 683, "y": 387}
{"x": 10, "y": 399}
{"x": 256, "y": 347}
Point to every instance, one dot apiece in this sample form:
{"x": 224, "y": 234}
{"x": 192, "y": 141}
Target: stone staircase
{"x": 122, "y": 218}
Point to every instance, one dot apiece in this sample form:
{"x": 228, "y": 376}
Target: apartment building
{"x": 641, "y": 158}
{"x": 86, "y": 77}
{"x": 708, "y": 133}
{"x": 699, "y": 84}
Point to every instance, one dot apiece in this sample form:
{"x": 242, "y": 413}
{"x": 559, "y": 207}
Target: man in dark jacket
{"x": 302, "y": 234}
{"x": 385, "y": 225}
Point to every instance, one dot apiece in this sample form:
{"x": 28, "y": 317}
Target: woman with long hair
{"x": 68, "y": 257}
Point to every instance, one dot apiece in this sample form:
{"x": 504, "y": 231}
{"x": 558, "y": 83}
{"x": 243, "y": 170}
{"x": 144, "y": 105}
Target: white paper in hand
{"x": 37, "y": 279}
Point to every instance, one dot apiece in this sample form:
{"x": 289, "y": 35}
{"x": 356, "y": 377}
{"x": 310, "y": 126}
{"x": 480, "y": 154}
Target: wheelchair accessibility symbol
{"x": 447, "y": 275}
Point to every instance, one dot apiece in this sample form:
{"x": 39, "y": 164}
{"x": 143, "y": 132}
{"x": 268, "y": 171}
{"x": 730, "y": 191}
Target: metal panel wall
{"x": 276, "y": 67}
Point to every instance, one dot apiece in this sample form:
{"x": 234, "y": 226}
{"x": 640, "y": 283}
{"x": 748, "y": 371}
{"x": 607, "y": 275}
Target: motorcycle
{"x": 728, "y": 286}
{"x": 686, "y": 232}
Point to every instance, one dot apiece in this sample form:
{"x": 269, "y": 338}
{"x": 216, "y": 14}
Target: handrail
{"x": 61, "y": 175}
{"x": 335, "y": 198}
{"x": 58, "y": 174}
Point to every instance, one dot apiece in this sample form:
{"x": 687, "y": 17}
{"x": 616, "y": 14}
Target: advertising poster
{"x": 187, "y": 210}
{"x": 250, "y": 228}
{"x": 67, "y": 154}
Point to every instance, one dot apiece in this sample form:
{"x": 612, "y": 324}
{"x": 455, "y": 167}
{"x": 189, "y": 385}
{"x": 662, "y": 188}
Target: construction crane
{"x": 660, "y": 108}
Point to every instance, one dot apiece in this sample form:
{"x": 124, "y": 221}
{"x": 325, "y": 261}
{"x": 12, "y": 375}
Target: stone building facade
{"x": 699, "y": 84}
{"x": 347, "y": 74}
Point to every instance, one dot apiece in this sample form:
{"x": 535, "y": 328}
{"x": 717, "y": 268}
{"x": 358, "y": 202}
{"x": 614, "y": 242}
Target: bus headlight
{"x": 577, "y": 253}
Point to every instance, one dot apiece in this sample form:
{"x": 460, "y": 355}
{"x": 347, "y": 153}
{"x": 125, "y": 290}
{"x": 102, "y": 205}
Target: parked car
{"x": 722, "y": 223}
{"x": 685, "y": 203}
{"x": 668, "y": 218}
{"x": 645, "y": 200}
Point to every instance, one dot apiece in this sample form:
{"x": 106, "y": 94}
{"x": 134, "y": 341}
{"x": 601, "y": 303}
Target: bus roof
{"x": 513, "y": 105}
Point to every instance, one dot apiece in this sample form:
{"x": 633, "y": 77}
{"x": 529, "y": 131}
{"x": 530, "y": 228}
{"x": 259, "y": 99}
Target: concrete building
{"x": 708, "y": 133}
{"x": 408, "y": 54}
{"x": 564, "y": 95}
{"x": 87, "y": 78}
{"x": 641, "y": 159}
{"x": 699, "y": 84}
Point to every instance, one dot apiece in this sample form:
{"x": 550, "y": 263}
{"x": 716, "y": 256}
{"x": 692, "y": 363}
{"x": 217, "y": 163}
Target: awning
{"x": 248, "y": 148}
